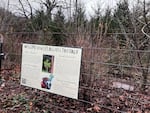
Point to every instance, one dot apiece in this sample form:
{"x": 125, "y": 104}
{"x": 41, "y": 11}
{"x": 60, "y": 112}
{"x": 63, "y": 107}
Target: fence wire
{"x": 100, "y": 68}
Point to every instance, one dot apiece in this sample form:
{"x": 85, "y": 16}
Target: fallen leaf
{"x": 122, "y": 98}
{"x": 1, "y": 89}
{"x": 3, "y": 85}
{"x": 89, "y": 109}
{"x": 139, "y": 111}
{"x": 31, "y": 106}
{"x": 129, "y": 112}
{"x": 96, "y": 108}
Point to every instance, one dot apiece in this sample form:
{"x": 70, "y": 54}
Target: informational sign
{"x": 51, "y": 68}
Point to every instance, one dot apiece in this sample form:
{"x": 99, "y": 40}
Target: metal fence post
{"x": 1, "y": 51}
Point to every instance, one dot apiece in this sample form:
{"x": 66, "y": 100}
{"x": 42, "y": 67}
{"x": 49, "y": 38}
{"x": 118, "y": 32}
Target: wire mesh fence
{"x": 114, "y": 79}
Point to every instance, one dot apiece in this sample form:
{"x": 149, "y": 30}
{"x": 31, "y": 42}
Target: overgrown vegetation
{"x": 118, "y": 38}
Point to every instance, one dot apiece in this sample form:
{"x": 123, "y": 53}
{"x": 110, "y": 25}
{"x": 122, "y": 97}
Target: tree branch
{"x": 24, "y": 11}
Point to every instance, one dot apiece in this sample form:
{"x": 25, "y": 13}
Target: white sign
{"x": 51, "y": 68}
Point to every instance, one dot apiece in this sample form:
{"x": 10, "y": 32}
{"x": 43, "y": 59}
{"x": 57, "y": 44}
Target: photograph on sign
{"x": 47, "y": 66}
{"x": 53, "y": 69}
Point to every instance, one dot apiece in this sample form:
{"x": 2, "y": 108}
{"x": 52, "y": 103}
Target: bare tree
{"x": 144, "y": 43}
{"x": 25, "y": 12}
{"x": 50, "y": 5}
{"x": 6, "y": 18}
{"x": 146, "y": 25}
